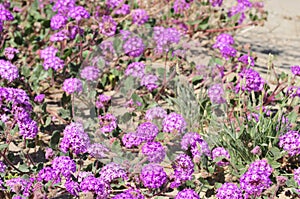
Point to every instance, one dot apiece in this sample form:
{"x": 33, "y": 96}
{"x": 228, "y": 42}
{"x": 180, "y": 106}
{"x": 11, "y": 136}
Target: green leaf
{"x": 23, "y": 168}
{"x": 3, "y": 146}
{"x": 54, "y": 139}
{"x": 126, "y": 117}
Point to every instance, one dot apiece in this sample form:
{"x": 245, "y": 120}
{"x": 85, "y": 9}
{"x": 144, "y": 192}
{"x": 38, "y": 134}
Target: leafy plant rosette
{"x": 108, "y": 100}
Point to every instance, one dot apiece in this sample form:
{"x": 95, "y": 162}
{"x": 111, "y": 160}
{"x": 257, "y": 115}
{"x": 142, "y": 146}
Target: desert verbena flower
{"x": 94, "y": 185}
{"x": 297, "y": 175}
{"x": 131, "y": 139}
{"x": 5, "y": 15}
{"x": 295, "y": 70}
{"x": 293, "y": 91}
{"x": 78, "y": 13}
{"x": 240, "y": 8}
{"x": 97, "y": 150}
{"x": 20, "y": 185}
{"x": 164, "y": 38}
{"x": 58, "y": 21}
{"x": 135, "y": 69}
{"x": 139, "y": 16}
{"x": 72, "y": 187}
{"x": 216, "y": 94}
{"x": 229, "y": 191}
{"x": 63, "y": 6}
{"x": 250, "y": 80}
{"x": 183, "y": 170}
{"x": 90, "y": 73}
{"x": 111, "y": 172}
{"x": 256, "y": 179}
{"x": 129, "y": 194}
{"x": 53, "y": 62}
{"x": 8, "y": 71}
{"x": 2, "y": 167}
{"x": 147, "y": 131}
{"x": 174, "y": 123}
{"x": 10, "y": 52}
{"x": 196, "y": 144}
{"x": 247, "y": 60}
{"x": 107, "y": 123}
{"x": 28, "y": 129}
{"x": 187, "y": 194}
{"x": 102, "y": 101}
{"x": 124, "y": 10}
{"x": 59, "y": 36}
{"x": 149, "y": 81}
{"x": 228, "y": 52}
{"x": 216, "y": 3}
{"x": 220, "y": 152}
{"x": 153, "y": 176}
{"x": 113, "y": 3}
{"x": 108, "y": 26}
{"x": 47, "y": 174}
{"x": 222, "y": 40}
{"x": 64, "y": 165}
{"x": 290, "y": 142}
{"x": 134, "y": 46}
{"x": 72, "y": 85}
{"x": 180, "y": 6}
{"x": 154, "y": 151}
{"x": 74, "y": 31}
{"x": 39, "y": 98}
{"x": 155, "y": 113}
{"x": 48, "y": 52}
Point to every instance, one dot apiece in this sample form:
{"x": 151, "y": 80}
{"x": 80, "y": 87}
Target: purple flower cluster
{"x": 111, "y": 172}
{"x": 39, "y": 98}
{"x": 64, "y": 165}
{"x": 223, "y": 43}
{"x": 60, "y": 36}
{"x": 183, "y": 170}
{"x": 139, "y": 16}
{"x": 153, "y": 176}
{"x": 5, "y": 15}
{"x": 94, "y": 185}
{"x": 147, "y": 131}
{"x": 2, "y": 167}
{"x": 195, "y": 143}
{"x": 297, "y": 175}
{"x": 131, "y": 139}
{"x": 155, "y": 113}
{"x": 50, "y": 59}
{"x": 134, "y": 46}
{"x": 216, "y": 3}
{"x": 74, "y": 139}
{"x": 247, "y": 60}
{"x": 72, "y": 85}
{"x": 295, "y": 70}
{"x": 187, "y": 194}
{"x": 164, "y": 38}
{"x": 216, "y": 94}
{"x": 154, "y": 151}
{"x": 97, "y": 150}
{"x": 123, "y": 10}
{"x": 8, "y": 71}
{"x": 108, "y": 26}
{"x": 58, "y": 21}
{"x": 102, "y": 101}
{"x": 290, "y": 142}
{"x": 240, "y": 8}
{"x": 63, "y": 6}
{"x": 48, "y": 174}
{"x": 129, "y": 194}
{"x": 135, "y": 69}
{"x": 293, "y": 91}
{"x": 180, "y": 6}
{"x": 20, "y": 185}
{"x": 250, "y": 80}
{"x": 256, "y": 179}
{"x": 107, "y": 122}
{"x": 90, "y": 73}
{"x": 149, "y": 81}
{"x": 113, "y": 3}
{"x": 10, "y": 52}
{"x": 78, "y": 13}
{"x": 174, "y": 123}
{"x": 220, "y": 152}
{"x": 229, "y": 191}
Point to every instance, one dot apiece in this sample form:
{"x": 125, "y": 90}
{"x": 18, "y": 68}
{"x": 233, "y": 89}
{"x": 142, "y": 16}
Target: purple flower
{"x": 39, "y": 98}
{"x": 187, "y": 194}
{"x": 131, "y": 140}
{"x": 5, "y": 15}
{"x": 290, "y": 142}
{"x": 216, "y": 3}
{"x": 256, "y": 179}
{"x": 247, "y": 60}
{"x": 72, "y": 187}
{"x": 216, "y": 94}
{"x": 48, "y": 53}
{"x": 53, "y": 62}
{"x": 113, "y": 3}
{"x": 250, "y": 81}
{"x": 164, "y": 38}
{"x": 64, "y": 165}
{"x": 174, "y": 123}
{"x": 95, "y": 185}
{"x": 125, "y": 34}
{"x": 297, "y": 175}
{"x": 2, "y": 167}
{"x": 111, "y": 172}
{"x": 78, "y": 13}
{"x": 59, "y": 36}
{"x": 19, "y": 185}
{"x": 180, "y": 6}
{"x": 74, "y": 31}
{"x": 10, "y": 52}
{"x": 154, "y": 151}
{"x": 124, "y": 10}
{"x": 227, "y": 52}
{"x": 97, "y": 150}
{"x": 8, "y": 71}
{"x": 183, "y": 170}
{"x": 47, "y": 174}
{"x": 129, "y": 194}
{"x": 74, "y": 138}
{"x": 295, "y": 70}
{"x": 256, "y": 150}
{"x": 134, "y": 47}
{"x": 102, "y": 101}
{"x": 240, "y": 8}
{"x": 147, "y": 131}
{"x": 72, "y": 85}
{"x": 222, "y": 40}
{"x": 49, "y": 153}
{"x": 229, "y": 191}
{"x": 135, "y": 69}
{"x": 153, "y": 176}
{"x": 58, "y": 21}
{"x": 90, "y": 73}
{"x": 221, "y": 152}
{"x": 155, "y": 113}
{"x": 149, "y": 81}
{"x": 28, "y": 129}
{"x": 139, "y": 16}
{"x": 63, "y": 6}
{"x": 195, "y": 143}
{"x": 108, "y": 123}
{"x": 108, "y": 26}
{"x": 293, "y": 91}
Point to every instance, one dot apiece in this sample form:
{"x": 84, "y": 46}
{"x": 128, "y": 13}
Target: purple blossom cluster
{"x": 58, "y": 21}
{"x": 153, "y": 176}
{"x": 164, "y": 38}
{"x": 183, "y": 170}
{"x": 174, "y": 123}
{"x": 139, "y": 16}
{"x": 39, "y": 98}
{"x": 60, "y": 36}
{"x": 290, "y": 142}
{"x": 295, "y": 70}
{"x": 216, "y": 3}
{"x": 78, "y": 13}
{"x": 50, "y": 59}
{"x": 97, "y": 150}
{"x": 131, "y": 139}
{"x": 129, "y": 194}
{"x": 10, "y": 52}
{"x": 108, "y": 26}
{"x": 229, "y": 191}
{"x": 154, "y": 151}
{"x": 246, "y": 60}
{"x": 155, "y": 113}
{"x": 63, "y": 6}
{"x": 90, "y": 73}
{"x": 187, "y": 194}
{"x": 135, "y": 69}
{"x": 74, "y": 139}
{"x": 95, "y": 185}
{"x": 63, "y": 165}
{"x": 149, "y": 81}
{"x": 223, "y": 43}
{"x": 221, "y": 152}
{"x": 297, "y": 175}
{"x": 72, "y": 85}
{"x": 107, "y": 122}
{"x": 2, "y": 167}
{"x": 102, "y": 101}
{"x": 293, "y": 91}
{"x": 113, "y": 3}
{"x": 123, "y": 10}
{"x": 256, "y": 179}
{"x": 5, "y": 15}
{"x": 216, "y": 94}
{"x": 250, "y": 80}
{"x": 241, "y": 7}
{"x": 196, "y": 144}
{"x": 180, "y": 6}
{"x": 20, "y": 186}
{"x": 48, "y": 174}
{"x": 8, "y": 71}
{"x": 134, "y": 46}
{"x": 147, "y": 131}
{"x": 111, "y": 172}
